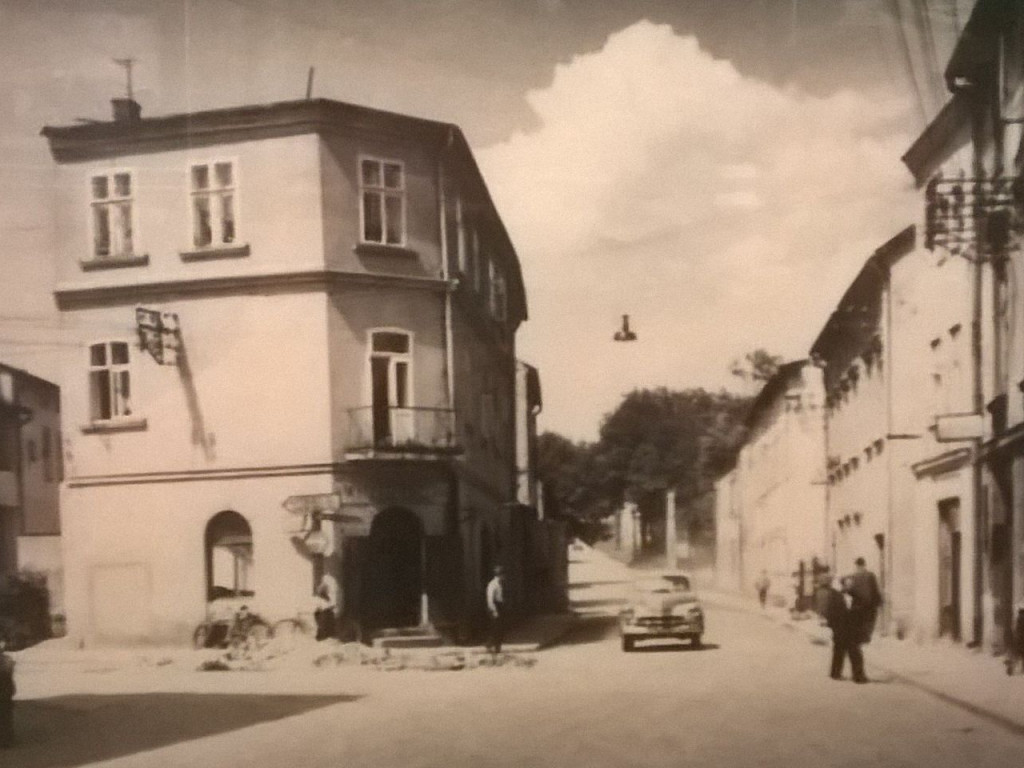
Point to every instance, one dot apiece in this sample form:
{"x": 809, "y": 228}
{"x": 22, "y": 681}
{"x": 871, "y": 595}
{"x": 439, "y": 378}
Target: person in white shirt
{"x": 495, "y": 610}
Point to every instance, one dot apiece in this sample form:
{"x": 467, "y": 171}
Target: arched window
{"x": 229, "y": 556}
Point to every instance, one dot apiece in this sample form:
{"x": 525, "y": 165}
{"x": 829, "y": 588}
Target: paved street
{"x": 756, "y": 695}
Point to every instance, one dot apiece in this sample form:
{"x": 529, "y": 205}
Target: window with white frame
{"x": 109, "y": 381}
{"x": 112, "y": 217}
{"x": 213, "y": 193}
{"x": 382, "y": 201}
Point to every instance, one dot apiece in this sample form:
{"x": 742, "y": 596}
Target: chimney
{"x": 126, "y": 110}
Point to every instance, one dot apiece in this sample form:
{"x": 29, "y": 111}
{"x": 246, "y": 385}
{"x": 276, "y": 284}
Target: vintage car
{"x": 662, "y": 606}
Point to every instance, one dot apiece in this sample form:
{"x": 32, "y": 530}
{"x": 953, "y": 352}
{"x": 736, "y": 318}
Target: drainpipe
{"x": 885, "y": 545}
{"x": 449, "y": 360}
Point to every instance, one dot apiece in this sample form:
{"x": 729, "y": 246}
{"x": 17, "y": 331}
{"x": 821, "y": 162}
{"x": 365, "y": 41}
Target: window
{"x": 499, "y": 294}
{"x": 112, "y": 216}
{"x": 213, "y": 204}
{"x": 391, "y": 387}
{"x": 109, "y": 381}
{"x": 453, "y": 232}
{"x": 382, "y": 201}
{"x": 472, "y": 255}
{"x": 47, "y": 451}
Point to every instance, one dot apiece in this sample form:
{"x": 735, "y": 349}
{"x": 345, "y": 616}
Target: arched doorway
{"x": 393, "y": 576}
{"x": 229, "y": 556}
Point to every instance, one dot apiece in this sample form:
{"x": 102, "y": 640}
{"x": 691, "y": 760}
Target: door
{"x": 949, "y": 568}
{"x": 393, "y": 573}
{"x": 390, "y": 385}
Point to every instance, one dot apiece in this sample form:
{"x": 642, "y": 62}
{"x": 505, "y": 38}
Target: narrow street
{"x": 757, "y": 694}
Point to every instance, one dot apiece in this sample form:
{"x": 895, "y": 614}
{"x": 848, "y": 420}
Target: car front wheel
{"x": 627, "y": 644}
{"x": 696, "y": 642}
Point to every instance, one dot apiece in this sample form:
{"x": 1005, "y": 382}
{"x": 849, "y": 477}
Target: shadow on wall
{"x": 195, "y": 411}
{"x": 76, "y": 730}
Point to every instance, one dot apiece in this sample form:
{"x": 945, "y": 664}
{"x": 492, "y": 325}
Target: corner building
{"x": 296, "y": 299}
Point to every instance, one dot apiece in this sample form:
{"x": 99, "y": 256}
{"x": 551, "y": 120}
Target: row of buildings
{"x": 289, "y": 352}
{"x": 900, "y": 438}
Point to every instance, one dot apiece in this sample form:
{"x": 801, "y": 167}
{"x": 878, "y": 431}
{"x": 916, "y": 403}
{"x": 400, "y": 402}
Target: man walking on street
{"x": 495, "y": 611}
{"x": 867, "y": 599}
{"x": 845, "y": 641}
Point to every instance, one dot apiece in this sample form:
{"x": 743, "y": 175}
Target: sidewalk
{"x": 968, "y": 678}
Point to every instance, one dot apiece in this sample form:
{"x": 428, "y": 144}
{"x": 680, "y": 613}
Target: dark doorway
{"x": 381, "y": 402}
{"x": 949, "y": 568}
{"x": 393, "y": 574}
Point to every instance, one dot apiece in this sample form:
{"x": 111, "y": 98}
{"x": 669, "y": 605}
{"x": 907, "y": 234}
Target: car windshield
{"x": 664, "y": 585}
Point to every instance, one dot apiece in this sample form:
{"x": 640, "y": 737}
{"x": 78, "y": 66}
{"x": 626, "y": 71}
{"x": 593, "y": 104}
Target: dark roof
{"x": 97, "y": 140}
{"x": 772, "y": 388}
{"x": 23, "y": 374}
{"x": 948, "y": 132}
{"x": 215, "y": 126}
{"x": 976, "y": 55}
{"x": 868, "y": 282}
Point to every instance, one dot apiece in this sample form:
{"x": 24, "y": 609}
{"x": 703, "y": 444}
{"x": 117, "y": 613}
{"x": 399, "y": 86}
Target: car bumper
{"x": 663, "y": 628}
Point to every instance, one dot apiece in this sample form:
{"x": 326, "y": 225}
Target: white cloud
{"x": 720, "y": 212}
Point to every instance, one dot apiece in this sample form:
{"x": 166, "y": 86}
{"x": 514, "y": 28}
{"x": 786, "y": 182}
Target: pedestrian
{"x": 327, "y": 607}
{"x": 845, "y": 643}
{"x": 867, "y": 599}
{"x": 762, "y": 585}
{"x": 495, "y": 595}
{"x": 7, "y": 691}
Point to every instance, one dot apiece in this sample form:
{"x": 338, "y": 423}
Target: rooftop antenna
{"x": 309, "y": 83}
{"x": 127, "y": 64}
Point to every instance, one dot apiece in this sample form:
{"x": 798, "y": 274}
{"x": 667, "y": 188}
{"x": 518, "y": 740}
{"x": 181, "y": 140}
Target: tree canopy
{"x": 655, "y": 440}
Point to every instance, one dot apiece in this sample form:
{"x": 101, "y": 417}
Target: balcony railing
{"x": 401, "y": 430}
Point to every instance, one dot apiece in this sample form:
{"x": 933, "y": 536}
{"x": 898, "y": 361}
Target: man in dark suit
{"x": 845, "y": 638}
{"x": 867, "y": 599}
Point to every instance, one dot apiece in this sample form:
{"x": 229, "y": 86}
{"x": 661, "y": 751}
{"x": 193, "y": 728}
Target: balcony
{"x": 387, "y": 431}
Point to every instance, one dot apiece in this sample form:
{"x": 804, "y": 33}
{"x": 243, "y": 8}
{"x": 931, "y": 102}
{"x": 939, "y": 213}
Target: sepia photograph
{"x": 511, "y": 383}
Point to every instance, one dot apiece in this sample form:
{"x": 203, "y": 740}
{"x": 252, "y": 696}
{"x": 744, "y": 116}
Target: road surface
{"x": 756, "y": 695}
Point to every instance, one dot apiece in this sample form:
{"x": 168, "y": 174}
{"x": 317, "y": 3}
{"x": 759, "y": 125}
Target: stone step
{"x": 420, "y": 640}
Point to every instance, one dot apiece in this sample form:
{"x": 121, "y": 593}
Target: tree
{"x": 756, "y": 368}
{"x": 570, "y": 478}
{"x": 659, "y": 439}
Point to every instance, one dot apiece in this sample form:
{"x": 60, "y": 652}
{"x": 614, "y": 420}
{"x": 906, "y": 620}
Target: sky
{"x": 716, "y": 169}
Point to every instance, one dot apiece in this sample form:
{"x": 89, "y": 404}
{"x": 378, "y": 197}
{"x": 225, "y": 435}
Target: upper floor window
{"x": 47, "y": 452}
{"x": 213, "y": 194}
{"x": 112, "y": 227}
{"x": 499, "y": 294}
{"x": 109, "y": 381}
{"x": 454, "y": 234}
{"x": 382, "y": 201}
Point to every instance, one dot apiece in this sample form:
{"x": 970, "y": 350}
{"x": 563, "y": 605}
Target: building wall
{"x": 247, "y": 395}
{"x": 728, "y": 562}
{"x": 782, "y": 486}
{"x": 135, "y": 562}
{"x": 932, "y": 378}
{"x": 279, "y": 212}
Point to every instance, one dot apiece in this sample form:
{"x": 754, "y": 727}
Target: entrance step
{"x": 408, "y": 637}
